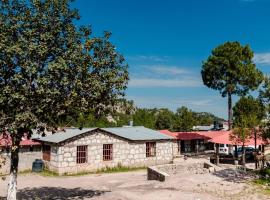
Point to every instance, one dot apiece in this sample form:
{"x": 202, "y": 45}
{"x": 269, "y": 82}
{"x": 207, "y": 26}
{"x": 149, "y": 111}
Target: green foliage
{"x": 164, "y": 119}
{"x": 158, "y": 119}
{"x": 241, "y": 132}
{"x": 249, "y": 108}
{"x": 230, "y": 70}
{"x": 206, "y": 119}
{"x": 184, "y": 119}
{"x": 248, "y": 113}
{"x": 264, "y": 172}
{"x": 264, "y": 96}
{"x": 145, "y": 117}
{"x": 49, "y": 68}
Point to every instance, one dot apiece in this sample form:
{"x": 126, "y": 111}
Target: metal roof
{"x": 135, "y": 133}
{"x": 62, "y": 136}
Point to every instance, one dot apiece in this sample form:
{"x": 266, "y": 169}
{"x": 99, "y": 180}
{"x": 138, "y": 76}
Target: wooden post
{"x": 255, "y": 141}
{"x": 197, "y": 146}
{"x": 217, "y": 154}
{"x": 263, "y": 157}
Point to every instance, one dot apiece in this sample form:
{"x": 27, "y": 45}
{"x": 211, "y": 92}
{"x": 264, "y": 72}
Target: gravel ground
{"x": 224, "y": 184}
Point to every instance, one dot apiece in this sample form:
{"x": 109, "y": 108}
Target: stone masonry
{"x": 125, "y": 153}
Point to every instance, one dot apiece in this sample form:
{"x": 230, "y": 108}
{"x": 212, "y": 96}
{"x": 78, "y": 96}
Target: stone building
{"x": 91, "y": 149}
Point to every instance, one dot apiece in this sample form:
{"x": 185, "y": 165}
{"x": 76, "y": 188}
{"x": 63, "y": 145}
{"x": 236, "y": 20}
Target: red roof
{"x": 211, "y": 134}
{"x": 224, "y": 138}
{"x": 185, "y": 135}
{"x": 5, "y": 140}
{"x": 219, "y": 137}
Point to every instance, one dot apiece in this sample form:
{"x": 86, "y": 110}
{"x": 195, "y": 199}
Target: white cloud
{"x": 262, "y": 58}
{"x": 164, "y": 102}
{"x": 147, "y": 58}
{"x": 167, "y": 69}
{"x": 165, "y": 83}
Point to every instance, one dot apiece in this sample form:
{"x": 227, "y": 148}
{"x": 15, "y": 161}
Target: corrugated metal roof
{"x": 62, "y": 136}
{"x": 137, "y": 133}
{"x": 130, "y": 133}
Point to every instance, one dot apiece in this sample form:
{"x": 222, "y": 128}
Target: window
{"x": 81, "y": 154}
{"x": 107, "y": 152}
{"x": 150, "y": 149}
{"x": 46, "y": 152}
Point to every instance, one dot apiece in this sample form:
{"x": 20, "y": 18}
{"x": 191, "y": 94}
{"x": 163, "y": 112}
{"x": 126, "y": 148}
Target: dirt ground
{"x": 224, "y": 184}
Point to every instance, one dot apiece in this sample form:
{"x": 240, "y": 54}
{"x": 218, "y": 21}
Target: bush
{"x": 265, "y": 172}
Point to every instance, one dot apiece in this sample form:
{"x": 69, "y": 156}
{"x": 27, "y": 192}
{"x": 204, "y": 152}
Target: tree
{"x": 264, "y": 96}
{"x": 145, "y": 117}
{"x": 241, "y": 133}
{"x": 164, "y": 119}
{"x": 50, "y": 68}
{"x": 230, "y": 70}
{"x": 248, "y": 114}
{"x": 184, "y": 119}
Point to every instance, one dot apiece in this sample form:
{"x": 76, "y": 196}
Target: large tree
{"x": 230, "y": 70}
{"x": 49, "y": 68}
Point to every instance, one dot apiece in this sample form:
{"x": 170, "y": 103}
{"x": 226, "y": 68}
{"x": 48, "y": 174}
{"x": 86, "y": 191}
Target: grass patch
{"x": 117, "y": 169}
{"x": 47, "y": 172}
{"x": 264, "y": 185}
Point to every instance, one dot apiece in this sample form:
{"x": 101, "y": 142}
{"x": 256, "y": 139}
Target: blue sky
{"x": 165, "y": 42}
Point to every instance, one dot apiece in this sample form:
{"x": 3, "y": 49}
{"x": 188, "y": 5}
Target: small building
{"x": 29, "y": 151}
{"x": 91, "y": 149}
{"x": 190, "y": 142}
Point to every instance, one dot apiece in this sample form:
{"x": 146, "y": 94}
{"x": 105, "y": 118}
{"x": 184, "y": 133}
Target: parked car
{"x": 249, "y": 152}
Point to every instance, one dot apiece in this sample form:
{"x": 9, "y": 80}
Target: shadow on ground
{"x": 232, "y": 175}
{"x": 56, "y": 193}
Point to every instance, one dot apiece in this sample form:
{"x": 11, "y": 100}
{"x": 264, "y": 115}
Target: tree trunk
{"x": 263, "y": 159}
{"x": 244, "y": 157}
{"x": 14, "y": 160}
{"x": 230, "y": 110}
{"x": 12, "y": 186}
{"x": 217, "y": 154}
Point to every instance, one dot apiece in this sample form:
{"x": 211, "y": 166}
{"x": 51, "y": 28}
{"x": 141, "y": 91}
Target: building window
{"x": 81, "y": 154}
{"x": 107, "y": 152}
{"x": 150, "y": 149}
{"x": 46, "y": 152}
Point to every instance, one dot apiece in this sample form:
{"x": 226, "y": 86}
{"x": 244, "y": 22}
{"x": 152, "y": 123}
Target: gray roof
{"x": 62, "y": 136}
{"x": 137, "y": 133}
{"x": 134, "y": 133}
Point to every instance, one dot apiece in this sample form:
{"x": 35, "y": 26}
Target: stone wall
{"x": 26, "y": 158}
{"x": 163, "y": 172}
{"x": 125, "y": 153}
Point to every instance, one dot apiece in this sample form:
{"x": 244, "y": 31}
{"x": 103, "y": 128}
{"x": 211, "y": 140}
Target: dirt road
{"x": 224, "y": 185}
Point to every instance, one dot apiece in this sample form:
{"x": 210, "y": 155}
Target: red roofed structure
{"x": 204, "y": 140}
{"x": 5, "y": 140}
